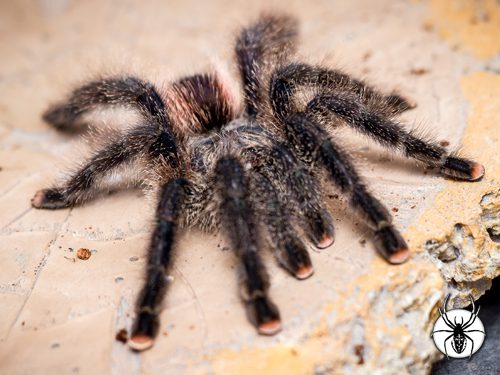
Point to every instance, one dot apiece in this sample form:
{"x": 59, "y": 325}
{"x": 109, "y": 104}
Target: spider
{"x": 458, "y": 331}
{"x": 252, "y": 169}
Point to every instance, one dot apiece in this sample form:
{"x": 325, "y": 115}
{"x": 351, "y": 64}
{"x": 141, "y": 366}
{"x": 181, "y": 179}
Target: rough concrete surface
{"x": 357, "y": 314}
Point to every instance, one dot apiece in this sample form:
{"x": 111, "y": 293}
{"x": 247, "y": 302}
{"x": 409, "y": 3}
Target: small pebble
{"x": 83, "y": 253}
{"x": 419, "y": 71}
{"x": 122, "y": 335}
{"x": 428, "y": 26}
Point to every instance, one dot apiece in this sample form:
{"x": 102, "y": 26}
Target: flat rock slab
{"x": 61, "y": 314}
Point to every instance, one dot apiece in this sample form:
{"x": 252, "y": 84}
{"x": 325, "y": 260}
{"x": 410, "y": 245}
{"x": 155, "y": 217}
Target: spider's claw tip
{"x": 399, "y": 256}
{"x": 270, "y": 327}
{"x": 476, "y": 172}
{"x": 304, "y": 272}
{"x": 391, "y": 245}
{"x": 140, "y": 342}
{"x": 325, "y": 241}
{"x": 37, "y": 199}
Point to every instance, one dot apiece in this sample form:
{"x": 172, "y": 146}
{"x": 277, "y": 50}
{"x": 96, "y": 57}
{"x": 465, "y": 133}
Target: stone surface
{"x": 357, "y": 314}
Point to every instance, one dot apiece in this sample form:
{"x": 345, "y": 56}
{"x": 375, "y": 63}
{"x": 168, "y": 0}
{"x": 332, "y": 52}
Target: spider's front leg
{"x": 161, "y": 246}
{"x": 295, "y": 75}
{"x": 262, "y": 43}
{"x": 365, "y": 110}
{"x": 392, "y": 135}
{"x": 239, "y": 223}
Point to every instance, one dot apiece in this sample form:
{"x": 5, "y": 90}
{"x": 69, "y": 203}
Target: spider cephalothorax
{"x": 251, "y": 170}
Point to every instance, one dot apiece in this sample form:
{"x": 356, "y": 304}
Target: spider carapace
{"x": 251, "y": 170}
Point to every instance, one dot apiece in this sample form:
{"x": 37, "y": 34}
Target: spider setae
{"x": 252, "y": 170}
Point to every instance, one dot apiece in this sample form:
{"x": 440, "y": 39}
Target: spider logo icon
{"x": 458, "y": 333}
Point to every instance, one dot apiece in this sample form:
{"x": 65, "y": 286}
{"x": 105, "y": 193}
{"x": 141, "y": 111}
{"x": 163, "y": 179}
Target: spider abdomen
{"x": 200, "y": 103}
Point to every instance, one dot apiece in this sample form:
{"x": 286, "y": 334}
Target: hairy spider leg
{"x": 262, "y": 43}
{"x": 88, "y": 180}
{"x": 391, "y": 134}
{"x": 305, "y": 75}
{"x": 160, "y": 256}
{"x": 242, "y": 231}
{"x": 279, "y": 164}
{"x": 380, "y": 127}
{"x": 83, "y": 183}
{"x": 288, "y": 248}
{"x": 126, "y": 92}
{"x": 153, "y": 136}
{"x": 313, "y": 144}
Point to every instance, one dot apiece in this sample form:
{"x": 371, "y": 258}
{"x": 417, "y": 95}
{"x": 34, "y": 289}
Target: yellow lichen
{"x": 471, "y": 24}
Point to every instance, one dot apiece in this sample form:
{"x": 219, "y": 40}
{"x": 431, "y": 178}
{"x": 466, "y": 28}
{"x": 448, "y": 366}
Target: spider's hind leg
{"x": 87, "y": 181}
{"x": 119, "y": 152}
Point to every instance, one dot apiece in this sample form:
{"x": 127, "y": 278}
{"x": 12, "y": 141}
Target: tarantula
{"x": 251, "y": 170}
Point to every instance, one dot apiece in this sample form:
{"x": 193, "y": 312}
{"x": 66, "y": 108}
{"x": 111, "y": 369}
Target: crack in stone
{"x": 37, "y": 274}
{"x": 469, "y": 255}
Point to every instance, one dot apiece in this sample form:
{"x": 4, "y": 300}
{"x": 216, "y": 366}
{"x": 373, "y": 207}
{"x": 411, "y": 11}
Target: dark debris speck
{"x": 122, "y": 335}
